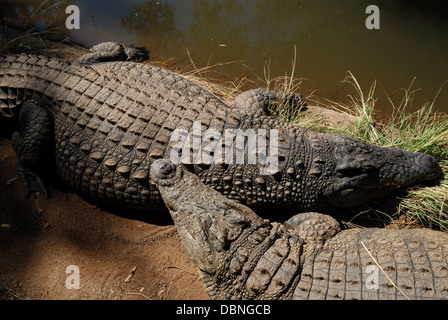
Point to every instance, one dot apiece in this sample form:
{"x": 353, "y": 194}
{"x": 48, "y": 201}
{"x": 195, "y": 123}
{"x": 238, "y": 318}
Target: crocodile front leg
{"x": 111, "y": 51}
{"x": 33, "y": 145}
{"x": 313, "y": 226}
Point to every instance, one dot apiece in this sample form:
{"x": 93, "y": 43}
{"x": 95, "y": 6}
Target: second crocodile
{"x": 242, "y": 256}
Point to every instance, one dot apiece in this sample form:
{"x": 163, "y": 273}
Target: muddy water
{"x": 326, "y": 38}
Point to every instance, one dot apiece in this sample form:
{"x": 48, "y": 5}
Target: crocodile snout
{"x": 429, "y": 166}
{"x": 363, "y": 172}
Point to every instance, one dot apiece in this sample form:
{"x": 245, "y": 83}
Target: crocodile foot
{"x": 32, "y": 182}
{"x": 32, "y": 144}
{"x": 111, "y": 51}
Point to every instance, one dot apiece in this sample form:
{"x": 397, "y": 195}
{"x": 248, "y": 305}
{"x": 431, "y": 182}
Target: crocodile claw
{"x": 32, "y": 182}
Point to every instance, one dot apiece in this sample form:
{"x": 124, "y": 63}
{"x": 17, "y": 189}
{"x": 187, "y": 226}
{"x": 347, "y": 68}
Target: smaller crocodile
{"x": 242, "y": 256}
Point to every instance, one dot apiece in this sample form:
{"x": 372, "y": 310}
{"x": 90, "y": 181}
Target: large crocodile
{"x": 102, "y": 124}
{"x": 242, "y": 256}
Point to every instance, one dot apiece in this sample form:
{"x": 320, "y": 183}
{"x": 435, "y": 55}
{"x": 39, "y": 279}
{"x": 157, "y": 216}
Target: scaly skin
{"x": 241, "y": 256}
{"x": 109, "y": 121}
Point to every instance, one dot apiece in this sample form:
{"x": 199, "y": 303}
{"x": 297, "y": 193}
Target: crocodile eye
{"x": 349, "y": 172}
{"x": 355, "y": 171}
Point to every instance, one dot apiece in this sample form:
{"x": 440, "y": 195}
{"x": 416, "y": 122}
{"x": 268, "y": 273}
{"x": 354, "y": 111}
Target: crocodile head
{"x": 206, "y": 221}
{"x": 363, "y": 172}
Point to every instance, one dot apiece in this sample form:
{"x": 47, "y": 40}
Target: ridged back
{"x": 377, "y": 264}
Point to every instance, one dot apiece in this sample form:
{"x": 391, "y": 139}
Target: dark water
{"x": 330, "y": 38}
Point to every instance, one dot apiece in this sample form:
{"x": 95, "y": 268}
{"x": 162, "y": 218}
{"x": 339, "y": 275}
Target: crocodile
{"x": 100, "y": 123}
{"x": 239, "y": 255}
